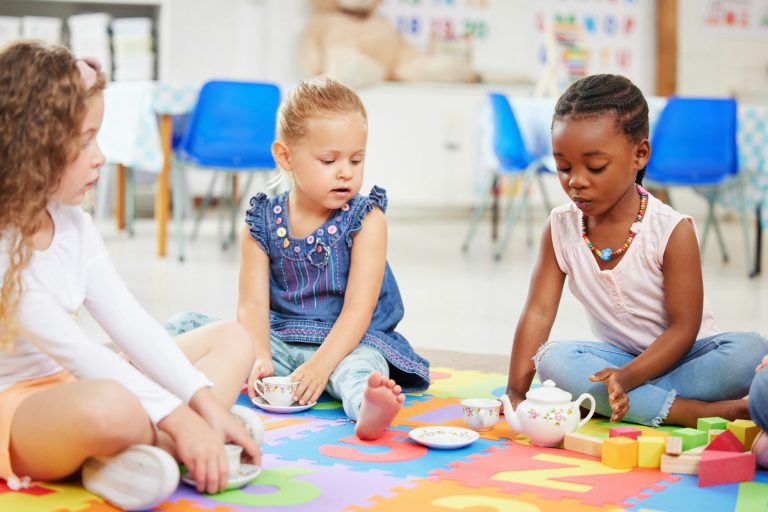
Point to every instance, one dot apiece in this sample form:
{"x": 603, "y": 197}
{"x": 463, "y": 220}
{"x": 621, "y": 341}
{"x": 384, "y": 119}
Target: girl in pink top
{"x": 633, "y": 262}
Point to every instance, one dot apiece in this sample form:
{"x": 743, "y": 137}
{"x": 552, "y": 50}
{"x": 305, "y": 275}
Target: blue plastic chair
{"x": 694, "y": 144}
{"x": 513, "y": 159}
{"x": 230, "y": 130}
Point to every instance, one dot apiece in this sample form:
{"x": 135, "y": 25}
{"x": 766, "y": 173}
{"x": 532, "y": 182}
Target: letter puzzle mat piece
{"x": 313, "y": 461}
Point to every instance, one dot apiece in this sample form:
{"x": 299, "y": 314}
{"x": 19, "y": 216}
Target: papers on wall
{"x": 10, "y": 29}
{"x": 133, "y": 49}
{"x": 89, "y": 37}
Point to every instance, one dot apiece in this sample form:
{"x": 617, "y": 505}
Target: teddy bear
{"x": 345, "y": 40}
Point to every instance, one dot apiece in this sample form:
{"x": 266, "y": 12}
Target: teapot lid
{"x": 548, "y": 393}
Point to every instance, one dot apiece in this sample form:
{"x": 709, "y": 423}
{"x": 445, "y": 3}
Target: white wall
{"x": 721, "y": 61}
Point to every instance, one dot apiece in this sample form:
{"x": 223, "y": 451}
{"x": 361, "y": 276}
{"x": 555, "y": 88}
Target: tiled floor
{"x": 453, "y": 301}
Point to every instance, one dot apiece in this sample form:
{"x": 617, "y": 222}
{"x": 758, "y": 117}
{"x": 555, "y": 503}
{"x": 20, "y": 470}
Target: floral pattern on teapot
{"x": 558, "y": 415}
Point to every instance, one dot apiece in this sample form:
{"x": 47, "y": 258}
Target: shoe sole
{"x": 137, "y": 478}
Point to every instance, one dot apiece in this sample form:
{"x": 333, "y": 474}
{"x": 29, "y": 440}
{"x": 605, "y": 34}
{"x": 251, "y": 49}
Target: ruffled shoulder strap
{"x": 256, "y": 218}
{"x": 362, "y": 206}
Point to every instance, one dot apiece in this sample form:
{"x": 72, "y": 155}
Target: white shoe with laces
{"x": 138, "y": 478}
{"x": 251, "y": 421}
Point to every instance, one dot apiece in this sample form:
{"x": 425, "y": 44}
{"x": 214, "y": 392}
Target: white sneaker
{"x": 137, "y": 478}
{"x": 251, "y": 422}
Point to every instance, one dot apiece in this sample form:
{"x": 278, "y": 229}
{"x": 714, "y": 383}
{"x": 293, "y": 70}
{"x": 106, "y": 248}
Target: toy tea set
{"x": 545, "y": 416}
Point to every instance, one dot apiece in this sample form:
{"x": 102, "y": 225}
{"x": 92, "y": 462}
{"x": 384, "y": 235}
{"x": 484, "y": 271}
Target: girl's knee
{"x": 551, "y": 357}
{"x": 758, "y": 391}
{"x": 114, "y": 415}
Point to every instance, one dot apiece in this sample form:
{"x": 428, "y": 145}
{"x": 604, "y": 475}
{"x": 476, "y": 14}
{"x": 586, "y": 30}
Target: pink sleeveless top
{"x": 624, "y": 305}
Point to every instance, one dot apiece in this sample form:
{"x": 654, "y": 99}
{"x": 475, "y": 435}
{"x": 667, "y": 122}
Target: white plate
{"x": 247, "y": 473}
{"x": 281, "y": 409}
{"x": 444, "y": 438}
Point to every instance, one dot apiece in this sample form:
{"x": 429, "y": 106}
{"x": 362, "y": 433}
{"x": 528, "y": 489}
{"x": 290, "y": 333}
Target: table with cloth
{"x": 131, "y": 137}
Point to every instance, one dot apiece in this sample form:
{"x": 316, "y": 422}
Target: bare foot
{"x": 685, "y": 411}
{"x": 381, "y": 401}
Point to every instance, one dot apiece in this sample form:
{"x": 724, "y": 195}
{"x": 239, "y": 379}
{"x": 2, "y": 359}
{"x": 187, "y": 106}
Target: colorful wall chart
{"x": 737, "y": 16}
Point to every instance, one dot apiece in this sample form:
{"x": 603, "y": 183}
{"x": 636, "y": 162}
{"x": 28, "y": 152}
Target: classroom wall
{"x": 723, "y": 48}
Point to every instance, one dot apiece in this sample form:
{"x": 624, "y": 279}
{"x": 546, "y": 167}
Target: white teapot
{"x": 547, "y": 414}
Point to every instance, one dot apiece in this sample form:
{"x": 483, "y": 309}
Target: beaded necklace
{"x": 608, "y": 254}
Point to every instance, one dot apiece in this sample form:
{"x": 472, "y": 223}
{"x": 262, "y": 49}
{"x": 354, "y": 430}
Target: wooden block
{"x": 581, "y": 443}
{"x": 691, "y": 437}
{"x": 649, "y": 451}
{"x": 683, "y": 464}
{"x": 713, "y": 433}
{"x": 716, "y": 468}
{"x": 695, "y": 451}
{"x": 656, "y": 433}
{"x": 745, "y": 431}
{"x": 630, "y": 432}
{"x": 725, "y": 442}
{"x": 674, "y": 445}
{"x": 707, "y": 424}
{"x": 620, "y": 452}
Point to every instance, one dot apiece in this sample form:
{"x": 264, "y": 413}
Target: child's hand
{"x": 515, "y": 398}
{"x": 263, "y": 367}
{"x": 762, "y": 364}
{"x": 617, "y": 396}
{"x": 313, "y": 380}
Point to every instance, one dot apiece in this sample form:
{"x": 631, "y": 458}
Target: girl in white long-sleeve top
{"x": 67, "y": 400}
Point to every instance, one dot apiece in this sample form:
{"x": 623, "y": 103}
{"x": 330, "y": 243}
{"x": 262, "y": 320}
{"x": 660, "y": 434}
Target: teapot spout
{"x": 510, "y": 414}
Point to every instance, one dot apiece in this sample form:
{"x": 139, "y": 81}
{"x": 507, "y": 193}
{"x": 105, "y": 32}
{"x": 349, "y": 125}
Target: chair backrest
{"x": 232, "y": 126}
{"x": 508, "y": 142}
{"x": 694, "y": 142}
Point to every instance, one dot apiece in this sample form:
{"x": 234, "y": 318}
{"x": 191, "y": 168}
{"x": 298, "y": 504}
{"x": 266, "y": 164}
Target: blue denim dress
{"x": 308, "y": 278}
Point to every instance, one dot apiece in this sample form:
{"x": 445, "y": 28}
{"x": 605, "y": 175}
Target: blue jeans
{"x": 347, "y": 382}
{"x": 717, "y": 368}
{"x": 758, "y": 399}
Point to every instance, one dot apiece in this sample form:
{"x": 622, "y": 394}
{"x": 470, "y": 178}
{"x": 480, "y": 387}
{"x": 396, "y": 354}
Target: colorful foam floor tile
{"x": 313, "y": 461}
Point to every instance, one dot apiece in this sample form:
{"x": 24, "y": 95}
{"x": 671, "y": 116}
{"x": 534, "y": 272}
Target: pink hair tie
{"x": 89, "y": 69}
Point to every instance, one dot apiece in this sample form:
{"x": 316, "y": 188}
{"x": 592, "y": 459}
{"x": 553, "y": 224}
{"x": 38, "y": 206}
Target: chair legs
{"x": 518, "y": 202}
{"x": 478, "y": 212}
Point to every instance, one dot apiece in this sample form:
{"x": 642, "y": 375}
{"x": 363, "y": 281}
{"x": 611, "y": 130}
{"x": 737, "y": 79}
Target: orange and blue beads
{"x": 608, "y": 254}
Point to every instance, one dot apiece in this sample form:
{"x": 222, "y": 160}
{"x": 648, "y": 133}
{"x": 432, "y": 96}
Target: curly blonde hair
{"x": 41, "y": 110}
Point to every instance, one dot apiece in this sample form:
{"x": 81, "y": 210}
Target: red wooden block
{"x": 630, "y": 432}
{"x": 717, "y": 468}
{"x": 725, "y": 442}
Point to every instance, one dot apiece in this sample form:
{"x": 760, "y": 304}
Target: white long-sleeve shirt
{"x": 76, "y": 270}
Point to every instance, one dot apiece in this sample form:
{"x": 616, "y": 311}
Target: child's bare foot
{"x": 381, "y": 401}
{"x": 686, "y": 412}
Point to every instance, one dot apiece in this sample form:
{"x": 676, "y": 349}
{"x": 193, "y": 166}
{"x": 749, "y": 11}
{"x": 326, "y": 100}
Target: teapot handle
{"x": 577, "y": 403}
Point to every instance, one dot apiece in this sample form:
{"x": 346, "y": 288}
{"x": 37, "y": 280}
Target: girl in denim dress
{"x": 316, "y": 293}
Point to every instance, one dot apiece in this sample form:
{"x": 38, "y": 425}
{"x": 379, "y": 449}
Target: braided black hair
{"x": 598, "y": 94}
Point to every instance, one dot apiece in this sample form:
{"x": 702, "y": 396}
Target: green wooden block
{"x": 711, "y": 423}
{"x": 692, "y": 438}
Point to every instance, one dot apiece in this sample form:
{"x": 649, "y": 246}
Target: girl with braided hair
{"x": 633, "y": 263}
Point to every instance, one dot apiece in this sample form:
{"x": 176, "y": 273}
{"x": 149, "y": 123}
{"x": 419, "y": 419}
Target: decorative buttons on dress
{"x": 286, "y": 243}
{"x": 279, "y": 221}
{"x": 295, "y": 248}
{"x": 320, "y": 232}
{"x": 338, "y": 218}
{"x": 344, "y": 207}
{"x": 319, "y": 248}
{"x": 277, "y": 209}
{"x": 331, "y": 229}
{"x": 281, "y": 232}
{"x": 310, "y": 239}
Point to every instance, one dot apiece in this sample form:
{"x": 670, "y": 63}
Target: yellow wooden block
{"x": 620, "y": 452}
{"x": 649, "y": 450}
{"x": 713, "y": 433}
{"x": 745, "y": 431}
{"x": 656, "y": 433}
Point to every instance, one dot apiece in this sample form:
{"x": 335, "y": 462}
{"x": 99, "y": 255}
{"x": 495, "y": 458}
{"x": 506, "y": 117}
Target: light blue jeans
{"x": 347, "y": 382}
{"x": 716, "y": 368}
{"x": 758, "y": 399}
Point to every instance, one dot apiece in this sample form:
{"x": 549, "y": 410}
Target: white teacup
{"x": 234, "y": 452}
{"x": 480, "y": 413}
{"x": 277, "y": 391}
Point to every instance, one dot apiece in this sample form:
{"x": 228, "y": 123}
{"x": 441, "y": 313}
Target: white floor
{"x": 453, "y": 301}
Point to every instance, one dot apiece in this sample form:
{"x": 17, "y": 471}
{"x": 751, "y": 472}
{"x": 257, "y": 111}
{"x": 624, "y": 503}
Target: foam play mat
{"x": 313, "y": 462}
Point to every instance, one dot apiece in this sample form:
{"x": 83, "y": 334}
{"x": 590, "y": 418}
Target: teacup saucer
{"x": 444, "y": 438}
{"x": 247, "y": 473}
{"x": 281, "y": 409}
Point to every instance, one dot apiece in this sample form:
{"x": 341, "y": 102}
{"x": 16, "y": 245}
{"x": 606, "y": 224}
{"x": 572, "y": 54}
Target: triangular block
{"x": 725, "y": 442}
